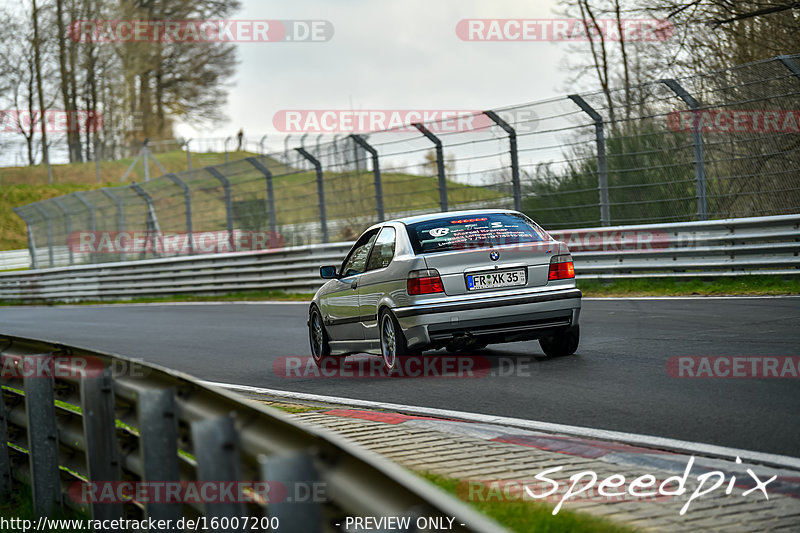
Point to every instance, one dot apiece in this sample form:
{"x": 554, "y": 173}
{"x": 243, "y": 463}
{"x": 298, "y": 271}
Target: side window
{"x": 383, "y": 251}
{"x": 356, "y": 262}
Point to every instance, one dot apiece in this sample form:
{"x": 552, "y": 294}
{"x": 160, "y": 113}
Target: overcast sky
{"x": 387, "y": 54}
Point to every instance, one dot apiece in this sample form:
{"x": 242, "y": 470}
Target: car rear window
{"x": 474, "y": 231}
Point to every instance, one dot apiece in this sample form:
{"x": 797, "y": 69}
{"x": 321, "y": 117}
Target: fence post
{"x": 376, "y": 174}
{"x": 226, "y": 185}
{"x": 31, "y": 242}
{"x": 439, "y": 164}
{"x": 40, "y": 411}
{"x": 290, "y": 469}
{"x": 120, "y": 215}
{"x": 791, "y": 65}
{"x": 286, "y": 151}
{"x": 5, "y": 460}
{"x": 512, "y": 141}
{"x": 215, "y": 444}
{"x": 320, "y": 191}
{"x": 152, "y": 221}
{"x": 158, "y": 444}
{"x": 100, "y": 435}
{"x": 92, "y": 220}
{"x": 188, "y": 154}
{"x": 602, "y": 166}
{"x": 46, "y": 215}
{"x": 697, "y": 145}
{"x": 187, "y": 203}
{"x": 273, "y": 220}
{"x": 68, "y": 217}
{"x": 97, "y": 160}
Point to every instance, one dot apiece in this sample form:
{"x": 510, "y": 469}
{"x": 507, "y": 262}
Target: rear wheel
{"x": 318, "y": 337}
{"x": 393, "y": 342}
{"x": 562, "y": 343}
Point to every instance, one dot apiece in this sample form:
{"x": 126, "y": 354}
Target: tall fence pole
{"x": 151, "y": 228}
{"x": 323, "y": 218}
{"x": 49, "y": 222}
{"x": 68, "y": 220}
{"x": 120, "y": 215}
{"x": 187, "y": 205}
{"x": 188, "y": 154}
{"x": 697, "y": 145}
{"x": 512, "y": 140}
{"x": 273, "y": 219}
{"x": 226, "y": 185}
{"x": 439, "y": 164}
{"x": 31, "y": 242}
{"x": 6, "y": 481}
{"x": 602, "y": 166}
{"x": 376, "y": 174}
{"x": 286, "y": 151}
{"x": 92, "y": 219}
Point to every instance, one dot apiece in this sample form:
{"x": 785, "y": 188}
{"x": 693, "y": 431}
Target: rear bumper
{"x": 513, "y": 317}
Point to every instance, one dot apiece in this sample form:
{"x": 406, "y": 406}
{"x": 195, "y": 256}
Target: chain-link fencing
{"x": 720, "y": 145}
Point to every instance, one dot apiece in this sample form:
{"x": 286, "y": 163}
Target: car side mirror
{"x": 328, "y": 272}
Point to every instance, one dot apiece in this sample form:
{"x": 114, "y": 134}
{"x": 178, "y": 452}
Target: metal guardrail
{"x": 74, "y": 422}
{"x": 760, "y": 245}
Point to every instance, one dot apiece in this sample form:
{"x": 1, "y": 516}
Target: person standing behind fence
{"x": 239, "y": 137}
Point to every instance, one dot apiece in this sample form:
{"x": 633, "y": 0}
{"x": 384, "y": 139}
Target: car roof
{"x": 446, "y": 214}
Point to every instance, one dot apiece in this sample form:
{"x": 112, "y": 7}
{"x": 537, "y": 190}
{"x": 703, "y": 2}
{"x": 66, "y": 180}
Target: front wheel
{"x": 318, "y": 337}
{"x": 562, "y": 343}
{"x": 393, "y": 342}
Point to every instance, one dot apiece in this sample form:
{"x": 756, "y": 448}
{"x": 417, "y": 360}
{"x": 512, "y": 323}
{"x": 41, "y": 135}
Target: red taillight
{"x": 561, "y": 267}
{"x": 424, "y": 282}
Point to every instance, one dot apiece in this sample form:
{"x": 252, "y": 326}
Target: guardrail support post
{"x": 226, "y": 185}
{"x": 512, "y": 140}
{"x": 158, "y": 442}
{"x": 68, "y": 217}
{"x": 215, "y": 444}
{"x": 40, "y": 410}
{"x": 273, "y": 220}
{"x": 187, "y": 203}
{"x": 5, "y": 460}
{"x": 439, "y": 164}
{"x": 92, "y": 219}
{"x": 320, "y": 192}
{"x": 292, "y": 470}
{"x": 697, "y": 145}
{"x": 120, "y": 215}
{"x": 151, "y": 226}
{"x": 100, "y": 435}
{"x": 602, "y": 166}
{"x": 31, "y": 242}
{"x": 49, "y": 222}
{"x": 376, "y": 174}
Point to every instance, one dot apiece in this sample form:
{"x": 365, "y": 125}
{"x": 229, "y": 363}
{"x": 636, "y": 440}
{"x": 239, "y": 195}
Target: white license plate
{"x": 496, "y": 280}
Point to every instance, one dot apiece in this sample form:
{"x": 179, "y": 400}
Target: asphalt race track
{"x": 618, "y": 380}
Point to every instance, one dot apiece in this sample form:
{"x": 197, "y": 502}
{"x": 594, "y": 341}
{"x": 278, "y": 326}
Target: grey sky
{"x": 387, "y": 54}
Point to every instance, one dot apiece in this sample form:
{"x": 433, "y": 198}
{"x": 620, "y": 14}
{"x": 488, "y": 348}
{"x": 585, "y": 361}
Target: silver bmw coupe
{"x": 459, "y": 280}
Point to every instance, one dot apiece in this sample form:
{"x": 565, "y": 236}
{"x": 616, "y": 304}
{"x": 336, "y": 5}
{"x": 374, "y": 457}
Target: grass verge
{"x": 527, "y": 516}
{"x": 722, "y": 286}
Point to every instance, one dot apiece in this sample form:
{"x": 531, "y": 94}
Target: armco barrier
{"x": 74, "y": 424}
{"x": 762, "y": 245}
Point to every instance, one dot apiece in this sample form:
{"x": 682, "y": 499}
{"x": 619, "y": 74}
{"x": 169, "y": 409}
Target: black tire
{"x": 318, "y": 338}
{"x": 393, "y": 342}
{"x": 562, "y": 343}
